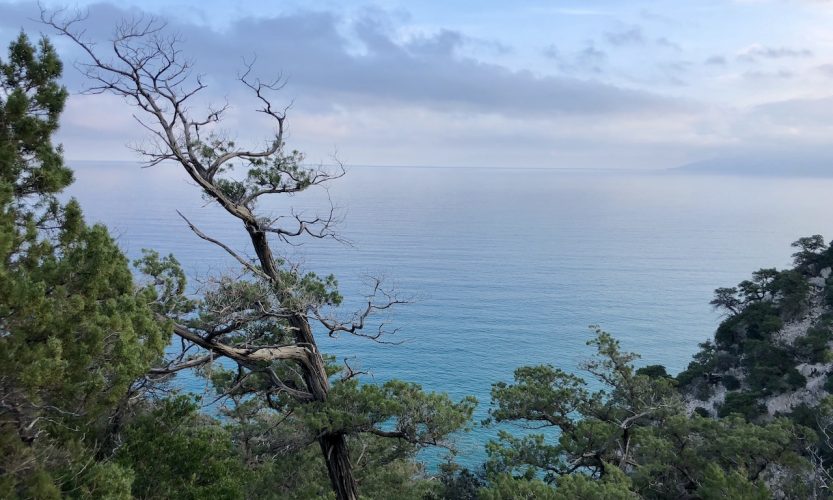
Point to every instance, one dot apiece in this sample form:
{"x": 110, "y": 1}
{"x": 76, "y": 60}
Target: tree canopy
{"x": 75, "y": 334}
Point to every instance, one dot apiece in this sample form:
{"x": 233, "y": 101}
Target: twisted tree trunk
{"x": 314, "y": 372}
{"x": 334, "y": 447}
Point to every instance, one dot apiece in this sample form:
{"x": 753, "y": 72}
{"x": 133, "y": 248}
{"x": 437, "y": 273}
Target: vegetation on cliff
{"x": 749, "y": 418}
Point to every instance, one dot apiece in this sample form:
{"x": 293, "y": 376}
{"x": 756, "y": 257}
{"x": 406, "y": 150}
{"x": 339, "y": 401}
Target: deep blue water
{"x": 508, "y": 266}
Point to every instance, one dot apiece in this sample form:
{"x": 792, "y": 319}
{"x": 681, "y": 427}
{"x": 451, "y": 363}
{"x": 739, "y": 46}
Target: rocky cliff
{"x": 773, "y": 353}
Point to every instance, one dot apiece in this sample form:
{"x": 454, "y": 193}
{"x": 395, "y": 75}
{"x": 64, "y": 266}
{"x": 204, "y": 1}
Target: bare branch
{"x": 246, "y": 263}
{"x": 173, "y": 368}
{"x": 350, "y": 372}
{"x": 356, "y": 325}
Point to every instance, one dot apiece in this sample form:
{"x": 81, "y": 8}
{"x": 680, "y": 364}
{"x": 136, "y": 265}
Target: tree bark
{"x": 333, "y": 445}
{"x": 337, "y": 456}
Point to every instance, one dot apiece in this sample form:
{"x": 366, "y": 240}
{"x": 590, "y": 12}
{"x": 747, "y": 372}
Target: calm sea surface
{"x": 508, "y": 266}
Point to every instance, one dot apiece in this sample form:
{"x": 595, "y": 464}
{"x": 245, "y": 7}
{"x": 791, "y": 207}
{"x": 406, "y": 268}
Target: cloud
{"x": 756, "y": 52}
{"x": 649, "y": 15}
{"x": 586, "y": 60}
{"x": 791, "y": 126}
{"x": 568, "y": 11}
{"x": 634, "y": 36}
{"x": 793, "y": 113}
{"x": 551, "y": 52}
{"x": 316, "y": 51}
{"x": 382, "y": 88}
{"x": 591, "y": 58}
{"x": 673, "y": 72}
{"x": 668, "y": 44}
{"x": 630, "y": 36}
{"x": 781, "y": 74}
{"x": 826, "y": 70}
{"x": 375, "y": 92}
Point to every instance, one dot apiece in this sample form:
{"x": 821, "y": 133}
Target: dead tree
{"x": 145, "y": 66}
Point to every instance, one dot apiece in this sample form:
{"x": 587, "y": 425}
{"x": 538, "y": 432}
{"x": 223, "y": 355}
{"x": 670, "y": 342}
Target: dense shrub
{"x": 458, "y": 483}
{"x": 701, "y": 411}
{"x": 812, "y": 347}
{"x": 792, "y": 289}
{"x": 813, "y": 254}
{"x": 730, "y": 333}
{"x": 725, "y": 361}
{"x": 653, "y": 371}
{"x": 761, "y": 320}
{"x": 808, "y": 416}
{"x": 702, "y": 364}
{"x": 745, "y": 404}
{"x": 168, "y": 451}
{"x": 828, "y": 384}
{"x": 758, "y": 321}
{"x": 730, "y": 382}
{"x": 768, "y": 367}
{"x": 795, "y": 380}
{"x": 828, "y": 294}
{"x": 704, "y": 391}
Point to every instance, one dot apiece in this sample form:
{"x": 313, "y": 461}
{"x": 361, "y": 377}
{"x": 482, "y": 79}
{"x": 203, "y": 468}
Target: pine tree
{"x": 75, "y": 334}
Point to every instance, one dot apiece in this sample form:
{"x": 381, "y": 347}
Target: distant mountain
{"x": 769, "y": 164}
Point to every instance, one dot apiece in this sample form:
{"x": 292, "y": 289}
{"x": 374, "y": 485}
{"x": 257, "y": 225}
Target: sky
{"x": 550, "y": 84}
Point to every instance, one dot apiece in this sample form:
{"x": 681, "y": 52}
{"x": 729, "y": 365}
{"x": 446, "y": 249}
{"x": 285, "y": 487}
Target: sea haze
{"x": 507, "y": 266}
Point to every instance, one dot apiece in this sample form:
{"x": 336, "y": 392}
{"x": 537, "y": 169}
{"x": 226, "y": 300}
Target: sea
{"x": 502, "y": 267}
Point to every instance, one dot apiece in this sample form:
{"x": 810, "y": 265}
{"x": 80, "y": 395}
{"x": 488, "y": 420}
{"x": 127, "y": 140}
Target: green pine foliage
{"x": 633, "y": 438}
{"x": 175, "y": 452}
{"x": 388, "y": 425}
{"x": 74, "y": 333}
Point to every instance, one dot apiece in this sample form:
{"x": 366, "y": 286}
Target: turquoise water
{"x": 507, "y": 266}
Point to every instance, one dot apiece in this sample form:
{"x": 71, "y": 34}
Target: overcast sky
{"x": 569, "y": 84}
